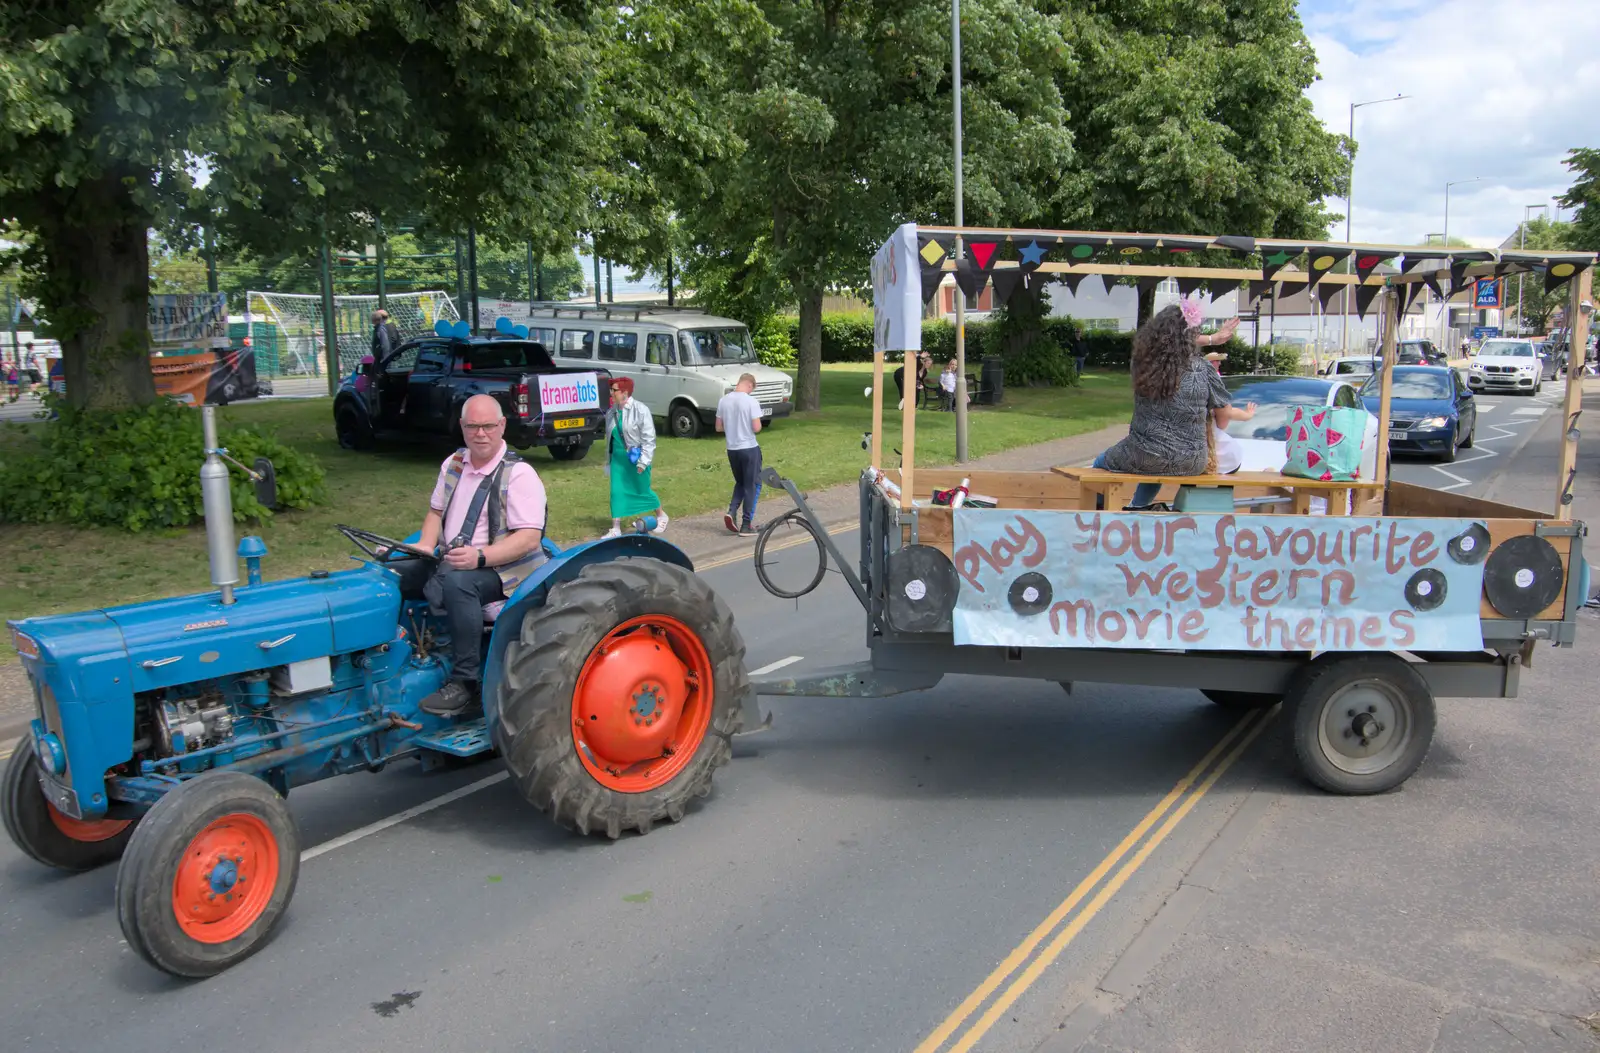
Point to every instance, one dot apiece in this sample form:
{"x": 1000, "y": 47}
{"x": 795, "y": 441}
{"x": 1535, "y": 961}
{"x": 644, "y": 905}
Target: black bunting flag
{"x": 1365, "y": 294}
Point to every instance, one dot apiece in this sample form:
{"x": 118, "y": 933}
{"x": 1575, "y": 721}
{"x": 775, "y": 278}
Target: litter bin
{"x": 993, "y": 381}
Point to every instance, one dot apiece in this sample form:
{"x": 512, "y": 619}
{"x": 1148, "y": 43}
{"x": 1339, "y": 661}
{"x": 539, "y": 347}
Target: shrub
{"x": 771, "y": 339}
{"x": 139, "y": 469}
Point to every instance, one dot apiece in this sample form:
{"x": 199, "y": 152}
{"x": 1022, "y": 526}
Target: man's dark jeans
{"x": 463, "y": 595}
{"x": 746, "y": 465}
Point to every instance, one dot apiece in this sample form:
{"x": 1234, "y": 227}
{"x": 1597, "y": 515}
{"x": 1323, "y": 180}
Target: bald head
{"x": 482, "y": 409}
{"x": 483, "y": 426}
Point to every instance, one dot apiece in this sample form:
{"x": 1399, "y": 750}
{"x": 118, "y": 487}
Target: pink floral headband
{"x": 1193, "y": 313}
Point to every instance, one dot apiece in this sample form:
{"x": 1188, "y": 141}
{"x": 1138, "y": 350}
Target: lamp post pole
{"x": 1349, "y": 207}
{"x": 1522, "y": 243}
{"x": 1444, "y": 239}
{"x": 961, "y": 296}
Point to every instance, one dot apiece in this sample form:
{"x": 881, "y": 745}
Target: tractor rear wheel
{"x": 208, "y": 874}
{"x": 49, "y": 836}
{"x": 620, "y": 697}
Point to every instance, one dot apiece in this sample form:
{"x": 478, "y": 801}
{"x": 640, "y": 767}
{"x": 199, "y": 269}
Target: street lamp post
{"x": 1444, "y": 239}
{"x": 1522, "y": 243}
{"x": 961, "y": 296}
{"x": 1349, "y": 207}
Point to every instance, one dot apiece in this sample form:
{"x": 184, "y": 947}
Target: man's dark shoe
{"x": 451, "y": 700}
{"x": 748, "y": 530}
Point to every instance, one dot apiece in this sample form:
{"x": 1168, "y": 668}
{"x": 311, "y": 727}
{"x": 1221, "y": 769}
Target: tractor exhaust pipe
{"x": 218, "y": 499}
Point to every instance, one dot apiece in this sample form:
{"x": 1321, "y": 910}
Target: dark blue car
{"x": 1431, "y": 412}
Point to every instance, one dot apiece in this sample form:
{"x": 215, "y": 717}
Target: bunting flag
{"x": 1274, "y": 260}
{"x": 1105, "y": 286}
{"x": 1431, "y": 280}
{"x": 983, "y": 253}
{"x": 1147, "y": 284}
{"x": 1323, "y": 261}
{"x": 1082, "y": 250}
{"x": 1559, "y": 273}
{"x": 935, "y": 248}
{"x": 1031, "y": 253}
{"x": 1220, "y": 287}
{"x": 1328, "y": 292}
{"x": 1365, "y": 294}
{"x": 932, "y": 278}
{"x": 1184, "y": 245}
{"x": 1408, "y": 293}
{"x": 1414, "y": 259}
{"x": 1072, "y": 281}
{"x": 1133, "y": 244}
{"x": 970, "y": 278}
{"x": 1458, "y": 275}
{"x": 1238, "y": 244}
{"x": 1189, "y": 286}
{"x": 1255, "y": 290}
{"x": 1367, "y": 262}
{"x": 1005, "y": 283}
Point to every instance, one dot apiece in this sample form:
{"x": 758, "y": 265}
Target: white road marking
{"x": 1531, "y": 411}
{"x": 775, "y": 666}
{"x": 399, "y": 817}
{"x": 1459, "y": 482}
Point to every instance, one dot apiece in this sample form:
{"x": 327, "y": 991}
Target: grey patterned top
{"x": 1168, "y": 436}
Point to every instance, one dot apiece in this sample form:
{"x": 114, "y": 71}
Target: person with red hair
{"x": 630, "y": 451}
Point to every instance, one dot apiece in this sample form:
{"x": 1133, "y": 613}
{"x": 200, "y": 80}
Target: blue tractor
{"x": 169, "y": 733}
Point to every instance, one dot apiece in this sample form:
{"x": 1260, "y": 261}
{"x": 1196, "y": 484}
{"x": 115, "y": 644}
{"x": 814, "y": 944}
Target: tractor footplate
{"x": 458, "y": 740}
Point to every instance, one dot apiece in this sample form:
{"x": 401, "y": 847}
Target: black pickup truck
{"x": 419, "y": 391}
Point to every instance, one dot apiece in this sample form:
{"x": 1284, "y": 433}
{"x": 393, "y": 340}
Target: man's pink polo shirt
{"x": 525, "y": 500}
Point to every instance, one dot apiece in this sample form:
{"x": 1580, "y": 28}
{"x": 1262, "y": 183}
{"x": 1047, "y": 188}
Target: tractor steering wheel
{"x": 383, "y": 549}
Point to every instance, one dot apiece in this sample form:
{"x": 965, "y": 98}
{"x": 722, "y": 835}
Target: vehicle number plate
{"x": 1396, "y": 435}
{"x": 569, "y": 423}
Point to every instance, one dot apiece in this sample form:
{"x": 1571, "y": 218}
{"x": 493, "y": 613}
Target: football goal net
{"x": 286, "y": 329}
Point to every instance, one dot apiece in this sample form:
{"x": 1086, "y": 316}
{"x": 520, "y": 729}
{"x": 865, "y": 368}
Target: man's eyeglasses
{"x": 491, "y": 426}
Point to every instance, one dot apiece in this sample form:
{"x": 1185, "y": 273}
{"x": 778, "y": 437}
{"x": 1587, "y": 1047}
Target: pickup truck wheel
{"x": 683, "y": 420}
{"x": 46, "y": 835}
{"x": 1239, "y": 700}
{"x": 1361, "y": 724}
{"x": 620, "y": 697}
{"x": 354, "y": 433}
{"x": 571, "y": 453}
{"x": 208, "y": 874}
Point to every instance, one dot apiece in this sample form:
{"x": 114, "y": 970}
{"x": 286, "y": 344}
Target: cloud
{"x": 1498, "y": 89}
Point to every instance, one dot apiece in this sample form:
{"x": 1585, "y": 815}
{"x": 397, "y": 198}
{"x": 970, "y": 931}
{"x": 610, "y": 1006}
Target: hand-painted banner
{"x": 193, "y": 319}
{"x": 1217, "y": 583}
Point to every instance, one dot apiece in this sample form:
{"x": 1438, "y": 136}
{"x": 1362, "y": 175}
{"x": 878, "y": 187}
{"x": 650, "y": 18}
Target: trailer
{"x": 1354, "y": 618}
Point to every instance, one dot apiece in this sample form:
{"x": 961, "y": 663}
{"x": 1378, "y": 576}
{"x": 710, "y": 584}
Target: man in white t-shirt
{"x": 739, "y": 419}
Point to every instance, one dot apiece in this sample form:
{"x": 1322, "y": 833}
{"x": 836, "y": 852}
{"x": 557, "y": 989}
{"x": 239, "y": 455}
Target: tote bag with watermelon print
{"x": 1324, "y": 442}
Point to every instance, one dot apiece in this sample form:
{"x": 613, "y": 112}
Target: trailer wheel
{"x": 620, "y": 696}
{"x": 1239, "y": 700}
{"x": 1361, "y": 724}
{"x": 208, "y": 874}
{"x": 46, "y": 835}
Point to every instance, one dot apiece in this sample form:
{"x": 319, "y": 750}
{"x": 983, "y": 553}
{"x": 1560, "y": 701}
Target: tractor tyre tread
{"x": 145, "y": 878}
{"x": 25, "y": 813}
{"x": 532, "y": 727}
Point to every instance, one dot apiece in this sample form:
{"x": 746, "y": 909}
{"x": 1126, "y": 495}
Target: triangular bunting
{"x": 1220, "y": 287}
{"x": 1032, "y": 251}
{"x": 1458, "y": 275}
{"x": 1148, "y": 283}
{"x": 1274, "y": 260}
{"x": 1328, "y": 292}
{"x": 932, "y": 278}
{"x": 1188, "y": 286}
{"x": 1558, "y": 274}
{"x": 1322, "y": 261}
{"x": 1431, "y": 280}
{"x": 1072, "y": 281}
{"x": 1365, "y": 294}
{"x": 934, "y": 249}
{"x": 970, "y": 279}
{"x": 1005, "y": 283}
{"x": 1409, "y": 292}
{"x": 1412, "y": 260}
{"x": 1255, "y": 290}
{"x": 1081, "y": 250}
{"x": 1367, "y": 262}
{"x": 1238, "y": 244}
{"x": 982, "y": 253}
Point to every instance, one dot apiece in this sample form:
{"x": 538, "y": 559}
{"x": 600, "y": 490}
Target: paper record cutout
{"x": 1470, "y": 546}
{"x": 1522, "y": 576}
{"x": 922, "y": 589}
{"x": 1030, "y": 594}
{"x": 1427, "y": 589}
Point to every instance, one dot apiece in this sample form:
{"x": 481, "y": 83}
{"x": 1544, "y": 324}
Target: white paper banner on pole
{"x": 897, "y": 293}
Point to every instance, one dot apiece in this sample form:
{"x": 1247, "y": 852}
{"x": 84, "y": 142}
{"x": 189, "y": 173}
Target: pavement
{"x": 990, "y": 865}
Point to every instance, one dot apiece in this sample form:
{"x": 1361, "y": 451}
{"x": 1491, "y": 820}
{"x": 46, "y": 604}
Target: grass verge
{"x": 51, "y": 569}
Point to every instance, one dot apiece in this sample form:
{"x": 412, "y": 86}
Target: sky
{"x": 1500, "y": 89}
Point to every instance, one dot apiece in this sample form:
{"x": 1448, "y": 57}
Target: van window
{"x": 544, "y": 337}
{"x": 711, "y": 347}
{"x": 577, "y": 343}
{"x": 619, "y": 347}
{"x": 658, "y": 350}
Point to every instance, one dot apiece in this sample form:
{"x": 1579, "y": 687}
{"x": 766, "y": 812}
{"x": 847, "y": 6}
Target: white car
{"x": 1506, "y": 365}
{"x": 1262, "y": 438}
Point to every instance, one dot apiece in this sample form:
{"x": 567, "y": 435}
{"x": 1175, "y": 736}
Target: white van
{"x": 680, "y": 361}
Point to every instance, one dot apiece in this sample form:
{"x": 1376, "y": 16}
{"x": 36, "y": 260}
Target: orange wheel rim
{"x": 88, "y": 830}
{"x": 225, "y": 878}
{"x": 642, "y": 704}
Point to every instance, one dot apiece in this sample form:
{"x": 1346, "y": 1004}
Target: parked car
{"x": 681, "y": 361}
{"x": 420, "y": 389}
{"x": 1261, "y": 439}
{"x": 1430, "y": 411}
{"x": 1419, "y": 352}
{"x": 1354, "y": 368}
{"x": 1507, "y": 364}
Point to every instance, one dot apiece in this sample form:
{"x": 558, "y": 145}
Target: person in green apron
{"x": 630, "y": 450}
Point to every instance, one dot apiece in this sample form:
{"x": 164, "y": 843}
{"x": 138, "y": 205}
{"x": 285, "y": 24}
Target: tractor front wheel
{"x": 208, "y": 874}
{"x": 620, "y": 697}
{"x": 48, "y": 835}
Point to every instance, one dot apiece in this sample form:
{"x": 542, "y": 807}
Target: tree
{"x": 841, "y": 125}
{"x": 298, "y": 116}
{"x": 1584, "y": 196}
{"x": 1537, "y": 306}
{"x": 174, "y": 269}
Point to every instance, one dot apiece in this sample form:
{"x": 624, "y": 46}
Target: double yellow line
{"x": 1028, "y": 957}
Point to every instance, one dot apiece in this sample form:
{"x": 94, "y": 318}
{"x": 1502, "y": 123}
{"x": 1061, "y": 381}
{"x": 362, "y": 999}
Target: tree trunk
{"x": 808, "y": 385}
{"x": 1147, "y": 304}
{"x": 96, "y": 292}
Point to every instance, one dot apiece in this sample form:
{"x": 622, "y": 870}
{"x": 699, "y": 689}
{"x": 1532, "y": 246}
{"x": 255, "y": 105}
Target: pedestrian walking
{"x": 630, "y": 453}
{"x": 1080, "y": 351}
{"x": 13, "y": 383}
{"x": 739, "y": 419}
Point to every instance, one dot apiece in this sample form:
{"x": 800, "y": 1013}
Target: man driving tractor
{"x": 486, "y": 519}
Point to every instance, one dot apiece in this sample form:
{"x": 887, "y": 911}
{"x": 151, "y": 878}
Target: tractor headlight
{"x": 51, "y": 756}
